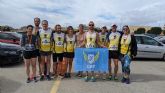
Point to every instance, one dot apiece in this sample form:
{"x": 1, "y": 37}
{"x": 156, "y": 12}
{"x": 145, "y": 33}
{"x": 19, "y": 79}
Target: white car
{"x": 149, "y": 47}
{"x": 160, "y": 39}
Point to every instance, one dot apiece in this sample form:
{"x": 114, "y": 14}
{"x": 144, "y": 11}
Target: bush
{"x": 155, "y": 30}
{"x": 140, "y": 31}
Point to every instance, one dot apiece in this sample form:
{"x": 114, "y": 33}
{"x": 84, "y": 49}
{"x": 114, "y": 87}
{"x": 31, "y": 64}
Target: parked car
{"x": 160, "y": 39}
{"x": 9, "y": 38}
{"x": 10, "y": 53}
{"x": 148, "y": 47}
{"x": 16, "y": 34}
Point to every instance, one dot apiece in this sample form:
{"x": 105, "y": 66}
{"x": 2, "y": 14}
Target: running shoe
{"x": 109, "y": 77}
{"x": 35, "y": 79}
{"x": 93, "y": 79}
{"x": 127, "y": 81}
{"x": 115, "y": 78}
{"x": 48, "y": 77}
{"x": 86, "y": 78}
{"x": 42, "y": 78}
{"x": 28, "y": 80}
{"x": 123, "y": 80}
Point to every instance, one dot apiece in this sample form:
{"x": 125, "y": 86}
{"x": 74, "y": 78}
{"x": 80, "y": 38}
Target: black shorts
{"x": 69, "y": 54}
{"x": 113, "y": 54}
{"x": 29, "y": 54}
{"x": 38, "y": 52}
{"x": 57, "y": 56}
{"x": 45, "y": 53}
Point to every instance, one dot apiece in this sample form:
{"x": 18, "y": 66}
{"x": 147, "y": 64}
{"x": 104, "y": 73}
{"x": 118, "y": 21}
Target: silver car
{"x": 148, "y": 47}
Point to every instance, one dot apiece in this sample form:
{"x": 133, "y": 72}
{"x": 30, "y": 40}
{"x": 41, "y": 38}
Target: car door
{"x": 140, "y": 51}
{"x": 151, "y": 47}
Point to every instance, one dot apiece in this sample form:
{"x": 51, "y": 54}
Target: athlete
{"x": 80, "y": 37}
{"x": 91, "y": 41}
{"x": 113, "y": 38}
{"x": 102, "y": 37}
{"x": 45, "y": 44}
{"x": 28, "y": 43}
{"x": 70, "y": 40}
{"x": 128, "y": 50}
{"x": 35, "y": 31}
{"x": 58, "y": 50}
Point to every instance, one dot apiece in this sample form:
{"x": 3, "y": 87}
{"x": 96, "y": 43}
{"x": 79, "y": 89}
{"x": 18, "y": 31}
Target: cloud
{"x": 18, "y": 13}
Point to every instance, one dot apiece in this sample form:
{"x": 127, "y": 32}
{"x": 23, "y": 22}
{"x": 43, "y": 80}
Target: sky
{"x": 18, "y": 13}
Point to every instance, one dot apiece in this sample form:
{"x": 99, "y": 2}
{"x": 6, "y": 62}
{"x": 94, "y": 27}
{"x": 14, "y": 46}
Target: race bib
{"x": 45, "y": 42}
{"x": 114, "y": 47}
{"x": 90, "y": 46}
{"x": 59, "y": 43}
{"x": 29, "y": 47}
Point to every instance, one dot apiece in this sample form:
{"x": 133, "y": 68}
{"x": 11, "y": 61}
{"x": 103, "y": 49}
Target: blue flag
{"x": 91, "y": 59}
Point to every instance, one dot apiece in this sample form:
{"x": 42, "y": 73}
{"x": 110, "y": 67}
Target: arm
{"x": 133, "y": 46}
{"x": 38, "y": 40}
{"x": 83, "y": 44}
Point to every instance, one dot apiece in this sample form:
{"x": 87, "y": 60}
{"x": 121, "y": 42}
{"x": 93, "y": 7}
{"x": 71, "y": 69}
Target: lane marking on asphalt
{"x": 56, "y": 85}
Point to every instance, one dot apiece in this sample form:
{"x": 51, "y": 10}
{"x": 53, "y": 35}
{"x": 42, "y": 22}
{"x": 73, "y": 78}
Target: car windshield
{"x": 16, "y": 34}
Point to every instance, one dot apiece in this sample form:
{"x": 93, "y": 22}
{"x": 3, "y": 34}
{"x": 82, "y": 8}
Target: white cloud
{"x": 18, "y": 13}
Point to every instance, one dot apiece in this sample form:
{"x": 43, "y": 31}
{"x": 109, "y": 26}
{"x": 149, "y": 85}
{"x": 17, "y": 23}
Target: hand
{"x": 104, "y": 46}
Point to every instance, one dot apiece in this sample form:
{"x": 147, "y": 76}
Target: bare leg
{"x": 110, "y": 67}
{"x": 27, "y": 65}
{"x": 116, "y": 66}
{"x": 70, "y": 64}
{"x": 48, "y": 64}
{"x": 33, "y": 63}
{"x": 42, "y": 64}
{"x": 39, "y": 62}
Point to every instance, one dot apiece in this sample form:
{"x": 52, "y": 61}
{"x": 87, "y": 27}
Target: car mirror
{"x": 14, "y": 40}
{"x": 160, "y": 44}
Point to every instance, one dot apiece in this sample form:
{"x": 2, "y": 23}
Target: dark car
{"x": 9, "y": 38}
{"x": 15, "y": 34}
{"x": 10, "y": 53}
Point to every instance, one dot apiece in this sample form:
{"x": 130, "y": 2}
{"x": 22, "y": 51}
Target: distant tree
{"x": 155, "y": 30}
{"x": 140, "y": 31}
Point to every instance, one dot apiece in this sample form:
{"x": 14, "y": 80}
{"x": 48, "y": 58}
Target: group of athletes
{"x": 40, "y": 43}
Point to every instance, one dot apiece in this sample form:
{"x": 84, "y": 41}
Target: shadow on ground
{"x": 11, "y": 65}
{"x": 8, "y": 86}
{"x": 147, "y": 60}
{"x": 146, "y": 77}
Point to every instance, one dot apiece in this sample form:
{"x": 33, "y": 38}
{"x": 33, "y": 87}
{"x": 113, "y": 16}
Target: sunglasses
{"x": 125, "y": 28}
{"x": 91, "y": 24}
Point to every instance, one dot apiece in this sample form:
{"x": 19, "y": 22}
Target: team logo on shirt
{"x": 59, "y": 38}
{"x": 114, "y": 36}
{"x": 45, "y": 35}
{"x": 103, "y": 39}
{"x": 90, "y": 39}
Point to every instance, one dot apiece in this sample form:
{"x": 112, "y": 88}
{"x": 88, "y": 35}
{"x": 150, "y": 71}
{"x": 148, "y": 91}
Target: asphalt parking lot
{"x": 147, "y": 76}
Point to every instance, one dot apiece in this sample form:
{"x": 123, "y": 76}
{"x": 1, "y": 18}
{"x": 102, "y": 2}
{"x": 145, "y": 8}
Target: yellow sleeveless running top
{"x": 70, "y": 43}
{"x": 102, "y": 39}
{"x": 90, "y": 40}
{"x": 45, "y": 37}
{"x": 125, "y": 42}
{"x": 58, "y": 43}
{"x": 114, "y": 40}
